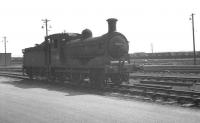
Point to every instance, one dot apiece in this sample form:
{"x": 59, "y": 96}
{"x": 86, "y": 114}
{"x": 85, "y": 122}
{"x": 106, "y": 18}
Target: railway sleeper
{"x": 197, "y": 101}
{"x": 185, "y": 99}
{"x": 174, "y": 78}
{"x": 166, "y": 83}
{"x": 124, "y": 91}
{"x": 180, "y": 92}
{"x": 136, "y": 92}
{"x": 165, "y": 95}
{"x": 153, "y": 86}
{"x": 167, "y": 91}
{"x": 162, "y": 96}
{"x": 189, "y": 93}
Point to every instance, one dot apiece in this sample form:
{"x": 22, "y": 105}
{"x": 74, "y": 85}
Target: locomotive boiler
{"x": 80, "y": 57}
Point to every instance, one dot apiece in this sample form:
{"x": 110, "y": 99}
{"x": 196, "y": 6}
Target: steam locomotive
{"x": 81, "y": 57}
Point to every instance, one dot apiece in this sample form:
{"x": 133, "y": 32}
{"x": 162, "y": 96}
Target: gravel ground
{"x": 23, "y": 101}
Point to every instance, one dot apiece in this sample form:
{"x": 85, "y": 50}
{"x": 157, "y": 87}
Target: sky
{"x": 164, "y": 24}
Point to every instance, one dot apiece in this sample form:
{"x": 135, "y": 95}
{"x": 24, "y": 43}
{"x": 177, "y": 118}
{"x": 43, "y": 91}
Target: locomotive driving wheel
{"x": 97, "y": 78}
{"x": 29, "y": 73}
{"x": 116, "y": 79}
{"x": 76, "y": 78}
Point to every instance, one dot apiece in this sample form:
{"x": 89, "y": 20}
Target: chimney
{"x": 111, "y": 25}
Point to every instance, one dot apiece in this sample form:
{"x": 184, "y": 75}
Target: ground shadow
{"x": 70, "y": 90}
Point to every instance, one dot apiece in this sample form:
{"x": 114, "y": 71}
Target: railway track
{"x": 166, "y": 77}
{"x": 150, "y": 92}
{"x": 172, "y": 68}
{"x": 14, "y": 75}
{"x": 184, "y": 98}
{"x": 147, "y": 69}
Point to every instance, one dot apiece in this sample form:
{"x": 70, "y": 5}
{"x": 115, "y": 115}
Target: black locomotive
{"x": 81, "y": 57}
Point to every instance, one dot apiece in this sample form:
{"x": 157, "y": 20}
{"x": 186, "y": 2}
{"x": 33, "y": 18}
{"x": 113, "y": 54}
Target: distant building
{"x": 5, "y": 59}
{"x": 16, "y": 60}
{"x": 164, "y": 55}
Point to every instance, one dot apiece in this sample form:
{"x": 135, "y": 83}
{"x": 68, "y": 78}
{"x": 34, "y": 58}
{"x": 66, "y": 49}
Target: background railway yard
{"x": 166, "y": 84}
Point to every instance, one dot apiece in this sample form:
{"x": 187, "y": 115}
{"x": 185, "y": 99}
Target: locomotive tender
{"x": 80, "y": 57}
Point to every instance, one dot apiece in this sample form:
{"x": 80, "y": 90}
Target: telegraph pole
{"x": 151, "y": 47}
{"x": 48, "y": 41}
{"x": 194, "y": 52}
{"x": 5, "y": 41}
{"x": 46, "y": 25}
{"x": 49, "y": 47}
